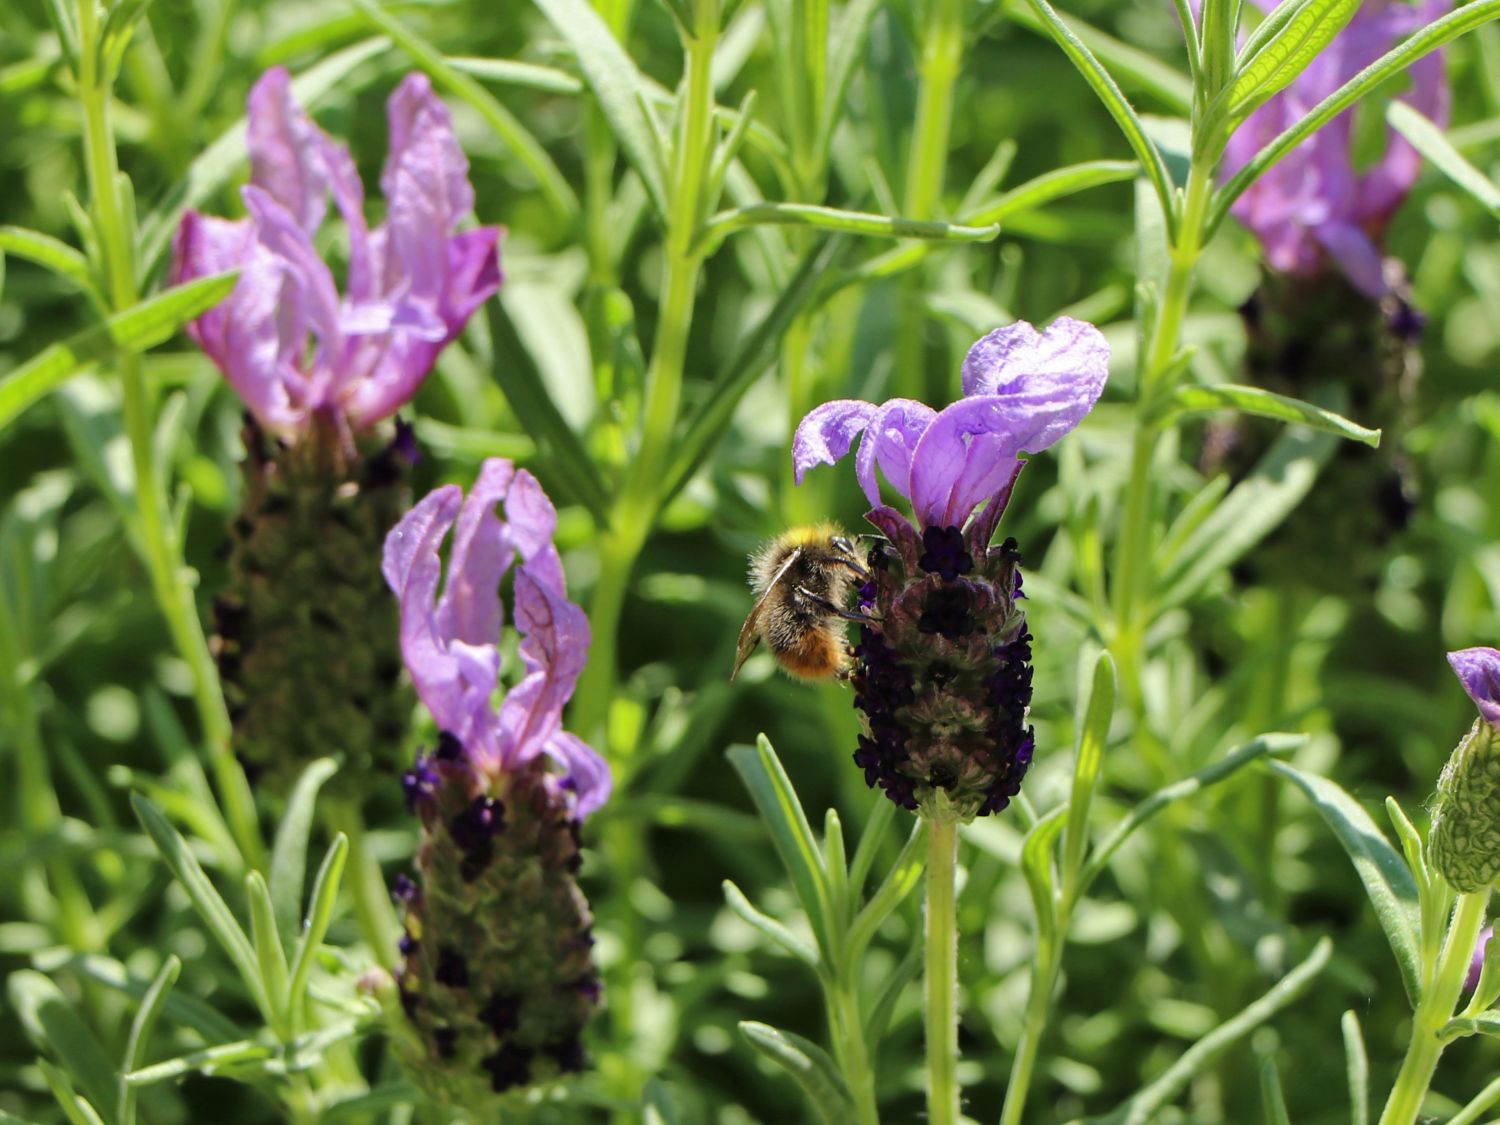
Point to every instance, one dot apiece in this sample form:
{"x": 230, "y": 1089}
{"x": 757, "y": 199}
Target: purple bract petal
{"x": 826, "y": 434}
{"x": 450, "y": 643}
{"x": 1478, "y": 669}
{"x": 1476, "y": 962}
{"x": 1317, "y": 185}
{"x": 288, "y": 342}
{"x": 891, "y": 441}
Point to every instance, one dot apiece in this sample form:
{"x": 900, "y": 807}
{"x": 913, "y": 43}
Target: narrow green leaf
{"x": 1104, "y": 87}
{"x": 363, "y": 1107}
{"x": 1356, "y": 1069}
{"x": 1253, "y": 508}
{"x": 528, "y": 150}
{"x": 1430, "y": 140}
{"x": 879, "y": 1014}
{"x": 75, "y": 1107}
{"x": 269, "y": 953}
{"x": 211, "y": 908}
{"x": 320, "y": 913}
{"x": 836, "y": 864}
{"x": 1486, "y": 1023}
{"x": 140, "y": 1035}
{"x": 1037, "y": 867}
{"x": 216, "y": 165}
{"x": 1226, "y": 767}
{"x": 847, "y": 46}
{"x": 779, "y": 934}
{"x": 745, "y": 366}
{"x": 1285, "y": 55}
{"x": 904, "y": 876}
{"x": 1272, "y": 1099}
{"x": 1146, "y": 1104}
{"x": 55, "y": 1026}
{"x": 809, "y": 1065}
{"x": 208, "y": 1060}
{"x": 1040, "y": 190}
{"x": 617, "y": 84}
{"x": 289, "y": 852}
{"x": 870, "y": 838}
{"x": 474, "y": 445}
{"x": 509, "y": 72}
{"x": 1091, "y": 739}
{"x": 776, "y": 799}
{"x": 189, "y": 1011}
{"x": 1423, "y": 42}
{"x": 1471, "y": 1113}
{"x": 50, "y": 253}
{"x": 1388, "y": 883}
{"x": 1139, "y": 68}
{"x": 725, "y": 223}
{"x": 1199, "y": 398}
{"x": 135, "y": 330}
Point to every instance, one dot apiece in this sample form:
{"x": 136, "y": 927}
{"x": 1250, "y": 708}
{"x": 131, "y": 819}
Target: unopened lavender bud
{"x": 1464, "y": 841}
{"x": 306, "y": 636}
{"x": 1476, "y": 963}
{"x": 496, "y": 979}
{"x": 942, "y": 669}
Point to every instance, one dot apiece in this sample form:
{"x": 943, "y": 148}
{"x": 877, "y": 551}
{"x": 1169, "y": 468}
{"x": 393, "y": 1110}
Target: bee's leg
{"x": 838, "y": 610}
{"x": 847, "y": 557}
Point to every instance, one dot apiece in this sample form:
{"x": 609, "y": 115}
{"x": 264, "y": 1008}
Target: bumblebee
{"x": 802, "y": 579}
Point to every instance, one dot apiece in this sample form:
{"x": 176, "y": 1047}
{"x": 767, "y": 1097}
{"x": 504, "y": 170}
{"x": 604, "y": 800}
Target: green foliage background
{"x": 1190, "y": 923}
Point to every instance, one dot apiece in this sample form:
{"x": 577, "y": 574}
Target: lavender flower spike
{"x": 496, "y": 974}
{"x": 290, "y": 344}
{"x": 1023, "y": 390}
{"x": 1318, "y": 203}
{"x": 942, "y": 671}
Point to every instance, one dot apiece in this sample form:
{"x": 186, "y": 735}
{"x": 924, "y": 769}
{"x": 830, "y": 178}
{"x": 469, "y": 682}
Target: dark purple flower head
{"x": 450, "y": 642}
{"x": 1318, "y": 204}
{"x": 289, "y": 343}
{"x": 1023, "y": 390}
{"x": 1479, "y": 671}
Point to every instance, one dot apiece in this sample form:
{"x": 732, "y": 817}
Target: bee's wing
{"x": 750, "y": 630}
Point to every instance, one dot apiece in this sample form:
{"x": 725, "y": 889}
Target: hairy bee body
{"x": 801, "y": 579}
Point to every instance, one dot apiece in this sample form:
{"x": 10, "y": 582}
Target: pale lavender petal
{"x": 982, "y": 529}
{"x": 585, "y": 772}
{"x": 412, "y": 569}
{"x": 533, "y": 522}
{"x": 399, "y": 364}
{"x": 318, "y": 296}
{"x": 826, "y": 434}
{"x": 554, "y": 650}
{"x": 287, "y": 151}
{"x": 253, "y": 336}
{"x": 965, "y": 457}
{"x": 469, "y": 609}
{"x": 1317, "y": 186}
{"x": 890, "y": 439}
{"x": 1061, "y": 371}
{"x": 1478, "y": 669}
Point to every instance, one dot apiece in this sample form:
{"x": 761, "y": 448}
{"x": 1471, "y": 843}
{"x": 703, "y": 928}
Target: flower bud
{"x": 1464, "y": 841}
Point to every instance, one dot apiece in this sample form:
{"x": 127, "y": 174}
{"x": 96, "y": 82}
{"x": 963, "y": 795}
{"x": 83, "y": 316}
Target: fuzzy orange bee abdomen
{"x": 818, "y": 654}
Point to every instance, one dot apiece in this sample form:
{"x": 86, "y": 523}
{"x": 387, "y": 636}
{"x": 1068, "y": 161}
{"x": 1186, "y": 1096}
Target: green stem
{"x": 926, "y": 168}
{"x": 1133, "y": 558}
{"x": 1435, "y": 1009}
{"x": 942, "y": 974}
{"x": 846, "y": 1027}
{"x": 636, "y": 508}
{"x": 1038, "y": 1008}
{"x": 156, "y": 535}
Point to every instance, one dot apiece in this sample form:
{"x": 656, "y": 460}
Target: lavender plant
{"x": 305, "y": 643}
{"x": 691, "y": 188}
